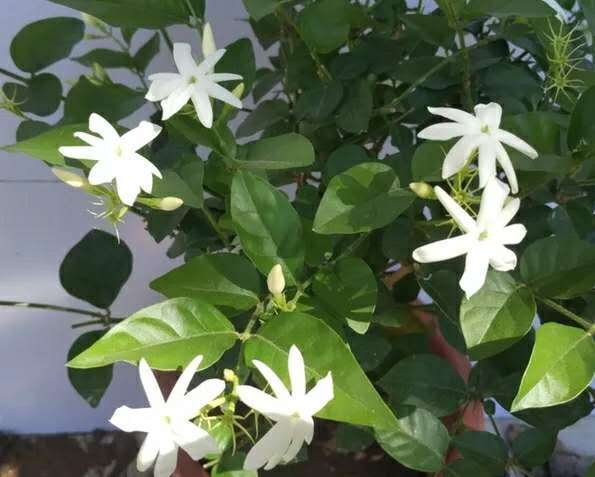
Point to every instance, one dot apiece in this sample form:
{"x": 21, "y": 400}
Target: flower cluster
{"x": 484, "y": 238}
{"x": 116, "y": 157}
{"x": 169, "y": 423}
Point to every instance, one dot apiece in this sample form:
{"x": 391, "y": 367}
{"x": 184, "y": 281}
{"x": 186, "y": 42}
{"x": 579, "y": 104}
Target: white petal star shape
{"x": 479, "y": 132}
{"x": 291, "y": 411}
{"x": 196, "y": 82}
{"x": 117, "y": 157}
{"x": 168, "y": 422}
{"x": 484, "y": 239}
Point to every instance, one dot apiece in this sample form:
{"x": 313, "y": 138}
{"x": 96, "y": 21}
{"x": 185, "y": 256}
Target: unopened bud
{"x": 230, "y": 376}
{"x": 208, "y": 40}
{"x": 422, "y": 189}
{"x": 276, "y": 280}
{"x": 71, "y": 178}
{"x": 170, "y": 203}
{"x": 238, "y": 91}
{"x": 93, "y": 22}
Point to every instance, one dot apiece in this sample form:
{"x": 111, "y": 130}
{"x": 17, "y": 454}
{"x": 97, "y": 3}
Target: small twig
{"x": 46, "y": 306}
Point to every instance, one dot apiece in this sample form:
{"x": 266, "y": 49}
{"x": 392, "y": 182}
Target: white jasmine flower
{"x": 117, "y": 157}
{"x": 276, "y": 280}
{"x": 481, "y": 132}
{"x": 484, "y": 240}
{"x": 168, "y": 422}
{"x": 291, "y": 411}
{"x": 196, "y": 82}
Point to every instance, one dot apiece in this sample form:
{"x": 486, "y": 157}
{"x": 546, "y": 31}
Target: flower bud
{"x": 170, "y": 203}
{"x": 422, "y": 189}
{"x": 276, "y": 280}
{"x": 70, "y": 178}
{"x": 208, "y": 40}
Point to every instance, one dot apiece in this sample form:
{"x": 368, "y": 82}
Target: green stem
{"x": 95, "y": 322}
{"x": 167, "y": 39}
{"x": 46, "y": 306}
{"x": 244, "y": 337}
{"x": 213, "y": 222}
{"x": 467, "y": 98}
{"x": 586, "y": 324}
{"x": 12, "y": 75}
{"x": 196, "y": 19}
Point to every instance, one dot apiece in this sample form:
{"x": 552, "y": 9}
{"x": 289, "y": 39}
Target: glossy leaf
{"x": 266, "y": 114}
{"x": 497, "y": 316}
{"x": 184, "y": 180}
{"x": 96, "y": 268}
{"x": 222, "y": 279}
{"x": 534, "y": 447}
{"x": 269, "y": 228}
{"x": 356, "y": 111}
{"x": 261, "y": 8}
{"x": 41, "y": 96}
{"x": 106, "y": 58}
{"x": 361, "y": 199}
{"x": 289, "y": 151}
{"x": 324, "y": 25}
{"x": 485, "y": 449}
{"x": 561, "y": 367}
{"x": 168, "y": 335}
{"x": 145, "y": 54}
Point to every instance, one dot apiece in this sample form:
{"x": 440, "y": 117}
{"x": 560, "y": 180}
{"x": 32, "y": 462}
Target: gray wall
{"x": 39, "y": 222}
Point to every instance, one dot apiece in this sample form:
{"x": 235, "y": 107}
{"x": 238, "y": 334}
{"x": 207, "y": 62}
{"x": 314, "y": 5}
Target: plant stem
{"x": 95, "y": 322}
{"x": 586, "y": 324}
{"x": 12, "y": 75}
{"x": 167, "y": 39}
{"x": 215, "y": 226}
{"x": 46, "y": 306}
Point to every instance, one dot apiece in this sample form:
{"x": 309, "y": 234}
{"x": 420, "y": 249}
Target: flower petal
{"x": 176, "y": 101}
{"x": 167, "y": 459}
{"x": 181, "y": 386}
{"x": 300, "y": 431}
{"x": 318, "y": 397}
{"x": 510, "y": 209}
{"x": 219, "y": 92}
{"x": 507, "y": 167}
{"x": 274, "y": 381}
{"x": 512, "y": 234}
{"x": 502, "y": 259}
{"x": 209, "y": 62}
{"x": 183, "y": 59}
{"x": 134, "y": 420}
{"x": 462, "y": 218}
{"x": 103, "y": 171}
{"x": 492, "y": 201}
{"x": 141, "y": 135}
{"x": 516, "y": 143}
{"x": 101, "y": 126}
{"x": 218, "y": 77}
{"x": 195, "y": 441}
{"x": 203, "y": 107}
{"x": 80, "y": 152}
{"x": 443, "y": 131}
{"x": 148, "y": 452}
{"x": 456, "y": 115}
{"x": 147, "y": 378}
{"x": 89, "y": 139}
{"x": 486, "y": 163}
{"x": 297, "y": 373}
{"x": 489, "y": 114}
{"x": 476, "y": 269}
{"x": 444, "y": 249}
{"x": 199, "y": 397}
{"x": 262, "y": 402}
{"x": 128, "y": 188}
{"x": 273, "y": 444}
{"x": 459, "y": 155}
{"x": 208, "y": 40}
{"x": 162, "y": 85}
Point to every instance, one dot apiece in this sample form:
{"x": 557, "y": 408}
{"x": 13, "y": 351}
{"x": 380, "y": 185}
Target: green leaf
{"x": 361, "y": 199}
{"x": 591, "y": 470}
{"x": 41, "y": 96}
{"x": 183, "y": 180}
{"x": 344, "y": 158}
{"x": 356, "y": 111}
{"x": 29, "y": 129}
{"x": 239, "y": 59}
{"x": 465, "y": 468}
{"x": 289, "y": 151}
{"x": 45, "y": 146}
{"x": 266, "y": 114}
{"x": 348, "y": 291}
{"x": 145, "y": 54}
{"x": 219, "y": 138}
{"x": 534, "y": 447}
{"x": 497, "y": 316}
{"x": 324, "y": 25}
{"x": 356, "y": 401}
{"x": 151, "y": 14}
{"x": 433, "y": 29}
{"x": 106, "y": 58}
{"x": 96, "y": 268}
{"x": 509, "y": 8}
{"x": 320, "y": 102}
{"x": 222, "y": 279}
{"x": 352, "y": 438}
{"x": 420, "y": 442}
{"x": 582, "y": 127}
{"x": 259, "y": 9}
{"x": 112, "y": 101}
{"x": 559, "y": 266}
{"x": 485, "y": 449}
{"x": 42, "y": 43}
{"x": 561, "y": 367}
{"x": 168, "y": 335}
{"x": 269, "y": 228}
{"x": 427, "y": 161}
{"x": 90, "y": 384}
{"x": 425, "y": 381}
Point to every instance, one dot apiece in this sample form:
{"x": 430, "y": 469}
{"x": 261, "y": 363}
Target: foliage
{"x": 326, "y": 177}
